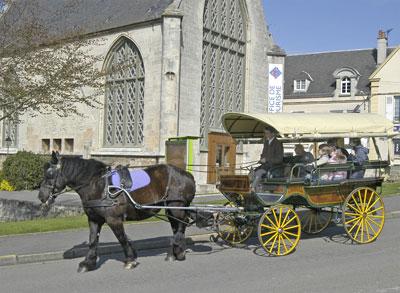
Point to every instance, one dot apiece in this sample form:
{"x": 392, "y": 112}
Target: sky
{"x": 304, "y": 26}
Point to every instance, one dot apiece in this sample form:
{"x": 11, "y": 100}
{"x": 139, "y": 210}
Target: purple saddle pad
{"x": 139, "y": 179}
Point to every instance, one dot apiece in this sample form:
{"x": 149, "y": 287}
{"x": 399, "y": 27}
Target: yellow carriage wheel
{"x": 279, "y": 230}
{"x": 363, "y": 215}
{"x": 314, "y": 221}
{"x": 233, "y": 228}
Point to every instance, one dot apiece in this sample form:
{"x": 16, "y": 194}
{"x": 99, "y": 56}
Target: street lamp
{"x": 8, "y": 143}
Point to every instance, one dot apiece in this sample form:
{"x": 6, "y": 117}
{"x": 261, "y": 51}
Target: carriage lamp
{"x": 8, "y": 143}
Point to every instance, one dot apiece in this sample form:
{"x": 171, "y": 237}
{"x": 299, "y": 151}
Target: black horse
{"x": 89, "y": 178}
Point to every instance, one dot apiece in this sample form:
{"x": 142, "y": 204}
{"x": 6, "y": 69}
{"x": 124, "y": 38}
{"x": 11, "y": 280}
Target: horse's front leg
{"x": 91, "y": 257}
{"x": 117, "y": 227}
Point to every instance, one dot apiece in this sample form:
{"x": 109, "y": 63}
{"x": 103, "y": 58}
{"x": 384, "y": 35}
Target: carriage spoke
{"x": 370, "y": 226}
{"x": 358, "y": 230}
{"x": 290, "y": 240}
{"x": 292, "y": 227}
{"x": 267, "y": 233}
{"x": 273, "y": 244}
{"x": 270, "y": 239}
{"x": 361, "y": 200}
{"x": 352, "y": 220}
{"x": 372, "y": 204}
{"x": 284, "y": 219}
{"x": 279, "y": 244}
{"x": 280, "y": 217}
{"x": 355, "y": 224}
{"x": 351, "y": 214}
{"x": 283, "y": 226}
{"x": 284, "y": 244}
{"x": 365, "y": 197}
{"x": 358, "y": 209}
{"x": 376, "y": 216}
{"x": 375, "y": 210}
{"x": 269, "y": 227}
{"x": 276, "y": 219}
{"x": 367, "y": 230}
{"x": 273, "y": 224}
{"x": 354, "y": 208}
{"x": 308, "y": 224}
{"x": 289, "y": 233}
{"x": 362, "y": 230}
{"x": 316, "y": 223}
{"x": 369, "y": 201}
{"x": 374, "y": 222}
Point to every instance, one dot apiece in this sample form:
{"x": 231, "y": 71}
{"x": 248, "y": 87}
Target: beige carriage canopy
{"x": 308, "y": 126}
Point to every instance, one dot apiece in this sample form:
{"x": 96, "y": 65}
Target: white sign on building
{"x": 275, "y": 88}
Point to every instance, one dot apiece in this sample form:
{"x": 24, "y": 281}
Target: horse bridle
{"x": 53, "y": 195}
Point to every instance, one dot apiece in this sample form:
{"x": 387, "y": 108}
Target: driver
{"x": 271, "y": 156}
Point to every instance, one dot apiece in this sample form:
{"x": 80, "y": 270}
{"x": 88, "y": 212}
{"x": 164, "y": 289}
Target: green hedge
{"x": 24, "y": 170}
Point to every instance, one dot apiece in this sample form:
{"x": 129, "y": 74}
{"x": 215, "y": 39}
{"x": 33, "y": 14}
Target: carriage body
{"x": 283, "y": 207}
{"x": 300, "y": 192}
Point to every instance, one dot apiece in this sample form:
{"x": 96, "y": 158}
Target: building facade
{"x": 190, "y": 61}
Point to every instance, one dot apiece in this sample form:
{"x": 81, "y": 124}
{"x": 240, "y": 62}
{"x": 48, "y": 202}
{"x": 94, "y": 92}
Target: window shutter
{"x": 389, "y": 107}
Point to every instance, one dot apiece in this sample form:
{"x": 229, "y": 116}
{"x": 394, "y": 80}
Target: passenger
{"x": 333, "y": 144}
{"x": 271, "y": 157}
{"x": 338, "y": 158}
{"x": 324, "y": 151}
{"x": 301, "y": 157}
{"x": 358, "y": 156}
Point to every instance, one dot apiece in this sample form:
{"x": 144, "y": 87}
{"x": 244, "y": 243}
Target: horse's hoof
{"x": 86, "y": 267}
{"x": 130, "y": 265}
{"x": 170, "y": 258}
{"x": 83, "y": 269}
{"x": 180, "y": 257}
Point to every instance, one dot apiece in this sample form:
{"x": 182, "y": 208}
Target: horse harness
{"x": 112, "y": 192}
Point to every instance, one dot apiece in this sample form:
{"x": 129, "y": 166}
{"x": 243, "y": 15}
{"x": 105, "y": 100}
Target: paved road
{"x": 326, "y": 263}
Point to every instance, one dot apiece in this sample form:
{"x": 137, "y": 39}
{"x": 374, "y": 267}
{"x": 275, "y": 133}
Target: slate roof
{"x": 87, "y": 16}
{"x": 321, "y": 66}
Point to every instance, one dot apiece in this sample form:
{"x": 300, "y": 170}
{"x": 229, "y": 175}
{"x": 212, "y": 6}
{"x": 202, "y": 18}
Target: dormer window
{"x": 346, "y": 86}
{"x": 300, "y": 85}
{"x": 301, "y": 82}
{"x": 346, "y": 81}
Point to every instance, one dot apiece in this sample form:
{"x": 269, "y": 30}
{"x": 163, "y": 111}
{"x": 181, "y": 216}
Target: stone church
{"x": 193, "y": 60}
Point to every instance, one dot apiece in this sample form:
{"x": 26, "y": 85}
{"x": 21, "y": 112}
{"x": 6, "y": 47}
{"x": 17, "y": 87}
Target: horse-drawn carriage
{"x": 281, "y": 208}
{"x": 284, "y": 206}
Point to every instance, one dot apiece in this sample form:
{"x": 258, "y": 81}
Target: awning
{"x": 311, "y": 126}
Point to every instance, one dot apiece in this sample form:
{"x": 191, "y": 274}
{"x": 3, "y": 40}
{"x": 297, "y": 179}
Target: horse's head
{"x": 53, "y": 180}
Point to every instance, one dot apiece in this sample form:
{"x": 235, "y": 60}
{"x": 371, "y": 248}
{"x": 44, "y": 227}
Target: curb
{"x": 15, "y": 259}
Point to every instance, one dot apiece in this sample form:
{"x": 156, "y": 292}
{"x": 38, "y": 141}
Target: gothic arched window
{"x": 124, "y": 96}
{"x": 223, "y": 63}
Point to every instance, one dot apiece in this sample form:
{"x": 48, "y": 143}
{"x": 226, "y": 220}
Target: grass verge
{"x": 50, "y": 224}
{"x": 390, "y": 188}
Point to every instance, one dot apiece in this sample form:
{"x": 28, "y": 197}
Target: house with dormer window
{"x": 335, "y": 81}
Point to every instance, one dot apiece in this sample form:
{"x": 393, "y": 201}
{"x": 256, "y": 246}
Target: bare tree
{"x": 44, "y": 68}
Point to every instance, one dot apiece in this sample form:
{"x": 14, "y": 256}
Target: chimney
{"x": 381, "y": 47}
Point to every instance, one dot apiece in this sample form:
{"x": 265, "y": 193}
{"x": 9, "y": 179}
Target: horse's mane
{"x": 84, "y": 169}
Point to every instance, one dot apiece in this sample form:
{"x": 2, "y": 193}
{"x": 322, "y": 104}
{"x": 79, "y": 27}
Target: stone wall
{"x": 16, "y": 210}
